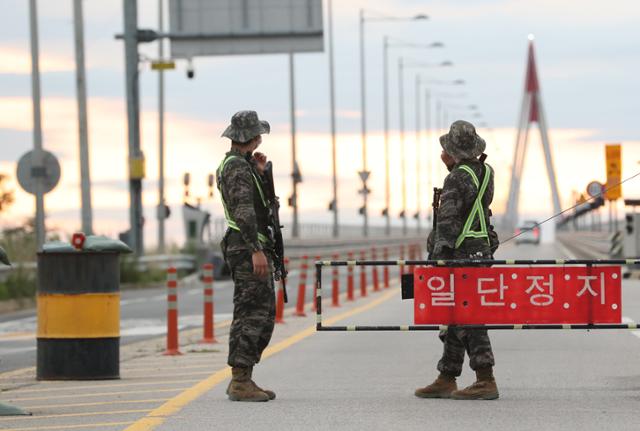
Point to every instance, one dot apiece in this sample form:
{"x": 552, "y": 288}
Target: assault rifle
{"x": 274, "y": 213}
{"x": 436, "y": 206}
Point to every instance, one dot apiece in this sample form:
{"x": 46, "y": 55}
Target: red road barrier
{"x": 335, "y": 284}
{"x": 280, "y": 297}
{"x": 385, "y": 270}
{"x": 207, "y": 280}
{"x": 350, "y": 278}
{"x": 302, "y": 287}
{"x": 173, "y": 347}
{"x": 363, "y": 274}
{"x": 374, "y": 271}
{"x": 314, "y": 306}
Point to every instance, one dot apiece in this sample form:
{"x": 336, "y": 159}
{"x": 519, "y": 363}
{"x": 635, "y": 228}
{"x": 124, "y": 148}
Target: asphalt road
{"x": 548, "y": 380}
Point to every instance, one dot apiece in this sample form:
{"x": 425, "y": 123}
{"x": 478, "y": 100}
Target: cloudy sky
{"x": 588, "y": 61}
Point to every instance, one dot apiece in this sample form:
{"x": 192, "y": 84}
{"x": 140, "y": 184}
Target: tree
{"x": 6, "y": 195}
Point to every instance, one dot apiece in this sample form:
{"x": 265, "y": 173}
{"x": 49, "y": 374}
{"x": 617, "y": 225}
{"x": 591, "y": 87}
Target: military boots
{"x": 271, "y": 394}
{"x": 484, "y": 388}
{"x": 443, "y": 386}
{"x": 242, "y": 388}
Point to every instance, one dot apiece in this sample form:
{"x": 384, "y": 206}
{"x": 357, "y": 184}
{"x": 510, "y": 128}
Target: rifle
{"x": 436, "y": 206}
{"x": 280, "y": 272}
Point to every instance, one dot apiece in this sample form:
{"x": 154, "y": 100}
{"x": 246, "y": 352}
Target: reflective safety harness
{"x": 230, "y": 221}
{"x": 476, "y": 209}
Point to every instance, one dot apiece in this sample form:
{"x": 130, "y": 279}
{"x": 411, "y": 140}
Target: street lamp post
{"x": 365, "y": 173}
{"x": 401, "y": 67}
{"x": 332, "y": 103}
{"x": 386, "y": 45}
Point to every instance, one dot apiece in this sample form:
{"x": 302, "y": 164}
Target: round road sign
{"x": 594, "y": 189}
{"x": 46, "y": 173}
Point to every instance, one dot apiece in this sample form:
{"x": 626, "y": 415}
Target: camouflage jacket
{"x": 243, "y": 201}
{"x": 458, "y": 195}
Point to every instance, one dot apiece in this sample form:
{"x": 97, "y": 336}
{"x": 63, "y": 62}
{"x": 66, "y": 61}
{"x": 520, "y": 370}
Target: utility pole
{"x": 418, "y": 173}
{"x": 295, "y": 173}
{"x": 385, "y": 103}
{"x": 83, "y": 129}
{"x": 332, "y": 102}
{"x": 364, "y": 174}
{"x": 37, "y": 123}
{"x": 161, "y": 212}
{"x": 136, "y": 158}
{"x": 427, "y": 127}
{"x": 403, "y": 214}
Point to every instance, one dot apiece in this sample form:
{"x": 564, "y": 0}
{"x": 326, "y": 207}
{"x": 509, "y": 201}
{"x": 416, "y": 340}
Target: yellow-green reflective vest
{"x": 477, "y": 210}
{"x": 230, "y": 222}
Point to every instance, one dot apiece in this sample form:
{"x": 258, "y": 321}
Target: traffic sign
{"x": 614, "y": 171}
{"x": 594, "y": 189}
{"x": 364, "y": 175}
{"x": 46, "y": 173}
{"x": 502, "y": 295}
{"x": 163, "y": 65}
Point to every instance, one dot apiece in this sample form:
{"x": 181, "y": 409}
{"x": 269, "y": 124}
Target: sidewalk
{"x": 152, "y": 386}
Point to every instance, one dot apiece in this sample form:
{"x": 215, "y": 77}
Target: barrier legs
{"x": 401, "y": 266}
{"x": 172, "y": 313}
{"x": 314, "y": 305}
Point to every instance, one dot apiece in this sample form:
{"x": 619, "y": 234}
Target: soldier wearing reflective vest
{"x": 247, "y": 247}
{"x": 463, "y": 231}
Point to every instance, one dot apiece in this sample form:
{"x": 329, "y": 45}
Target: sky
{"x": 587, "y": 56}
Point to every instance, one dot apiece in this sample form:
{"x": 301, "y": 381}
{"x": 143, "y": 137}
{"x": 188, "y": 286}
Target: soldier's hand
{"x": 260, "y": 264}
{"x": 261, "y": 161}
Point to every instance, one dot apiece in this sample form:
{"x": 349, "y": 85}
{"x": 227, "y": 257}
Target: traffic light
{"x": 361, "y": 210}
{"x": 402, "y": 215}
{"x": 332, "y": 205}
{"x": 385, "y": 212}
{"x": 629, "y": 219}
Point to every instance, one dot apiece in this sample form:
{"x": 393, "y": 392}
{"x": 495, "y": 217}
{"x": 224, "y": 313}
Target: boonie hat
{"x": 462, "y": 141}
{"x": 245, "y": 125}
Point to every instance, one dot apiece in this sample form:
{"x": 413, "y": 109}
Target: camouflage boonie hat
{"x": 462, "y": 141}
{"x": 245, "y": 125}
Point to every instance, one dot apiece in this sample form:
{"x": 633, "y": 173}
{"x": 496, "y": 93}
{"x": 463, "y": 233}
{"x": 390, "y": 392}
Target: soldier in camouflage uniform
{"x": 462, "y": 232}
{"x": 247, "y": 249}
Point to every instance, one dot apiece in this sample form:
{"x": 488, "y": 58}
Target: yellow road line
{"x": 72, "y": 415}
{"x": 102, "y": 403}
{"x": 69, "y": 427}
{"x": 11, "y": 374}
{"x": 158, "y": 381}
{"x": 152, "y": 368}
{"x": 161, "y": 414}
{"x": 98, "y": 394}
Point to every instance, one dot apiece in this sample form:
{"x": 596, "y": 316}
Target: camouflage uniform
{"x": 458, "y": 195}
{"x": 241, "y": 187}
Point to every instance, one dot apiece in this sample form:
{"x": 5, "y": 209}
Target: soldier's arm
{"x": 239, "y": 189}
{"x": 457, "y": 190}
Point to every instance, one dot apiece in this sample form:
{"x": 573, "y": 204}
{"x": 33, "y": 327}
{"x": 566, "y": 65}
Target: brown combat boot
{"x": 271, "y": 394}
{"x": 443, "y": 386}
{"x": 242, "y": 388}
{"x": 484, "y": 388}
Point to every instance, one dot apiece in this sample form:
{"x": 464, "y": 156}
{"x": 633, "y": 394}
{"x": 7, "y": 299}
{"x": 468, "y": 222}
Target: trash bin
{"x": 78, "y": 335}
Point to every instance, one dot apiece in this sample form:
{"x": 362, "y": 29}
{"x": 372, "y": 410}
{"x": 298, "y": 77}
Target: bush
{"x": 20, "y": 283}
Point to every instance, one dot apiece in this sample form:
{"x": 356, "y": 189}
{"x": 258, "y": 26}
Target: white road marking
{"x": 566, "y": 251}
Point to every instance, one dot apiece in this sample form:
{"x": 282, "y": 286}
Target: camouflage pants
{"x": 456, "y": 341}
{"x": 254, "y": 310}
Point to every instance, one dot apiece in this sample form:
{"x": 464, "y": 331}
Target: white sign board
{"x": 236, "y": 27}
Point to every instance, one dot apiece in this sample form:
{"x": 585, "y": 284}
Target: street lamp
{"x": 364, "y": 174}
{"x": 401, "y": 67}
{"x": 430, "y": 82}
{"x": 387, "y": 43}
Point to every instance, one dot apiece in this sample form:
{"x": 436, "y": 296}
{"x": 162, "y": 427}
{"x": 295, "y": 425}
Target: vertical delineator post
{"x": 335, "y": 283}
{"x": 302, "y": 287}
{"x": 173, "y": 347}
{"x": 208, "y": 317}
{"x": 363, "y": 274}
{"x": 350, "y": 283}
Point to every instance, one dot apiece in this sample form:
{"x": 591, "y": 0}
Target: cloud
{"x": 18, "y": 61}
